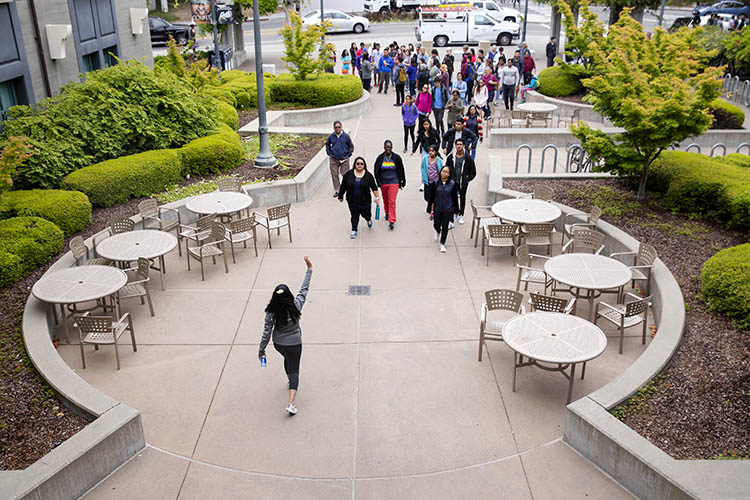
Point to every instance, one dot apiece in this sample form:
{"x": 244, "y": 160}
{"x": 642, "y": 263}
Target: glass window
{"x": 8, "y": 96}
{"x": 109, "y": 56}
{"x": 491, "y": 6}
{"x": 481, "y": 20}
{"x": 90, "y": 62}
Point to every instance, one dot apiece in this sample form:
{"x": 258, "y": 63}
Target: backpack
{"x": 402, "y": 77}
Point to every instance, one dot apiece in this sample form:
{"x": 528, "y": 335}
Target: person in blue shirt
{"x": 439, "y": 101}
{"x": 384, "y": 68}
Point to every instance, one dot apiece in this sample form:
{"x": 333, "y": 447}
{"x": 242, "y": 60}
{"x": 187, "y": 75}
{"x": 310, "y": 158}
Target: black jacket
{"x": 399, "y": 169}
{"x": 433, "y": 138}
{"x": 469, "y": 137}
{"x": 468, "y": 172}
{"x": 367, "y": 184}
{"x": 432, "y": 192}
{"x": 423, "y": 78}
{"x": 551, "y": 49}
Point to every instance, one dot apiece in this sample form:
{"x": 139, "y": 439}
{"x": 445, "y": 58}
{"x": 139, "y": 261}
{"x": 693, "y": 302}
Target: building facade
{"x": 45, "y": 44}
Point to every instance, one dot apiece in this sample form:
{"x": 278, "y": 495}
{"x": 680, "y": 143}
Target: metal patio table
{"x": 221, "y": 203}
{"x": 132, "y": 245}
{"x": 536, "y": 107}
{"x": 526, "y": 211}
{"x": 79, "y": 284}
{"x": 589, "y": 272}
{"x": 553, "y": 339}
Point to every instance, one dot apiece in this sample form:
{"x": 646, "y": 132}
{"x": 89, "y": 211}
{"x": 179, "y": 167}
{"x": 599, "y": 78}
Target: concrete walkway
{"x": 392, "y": 402}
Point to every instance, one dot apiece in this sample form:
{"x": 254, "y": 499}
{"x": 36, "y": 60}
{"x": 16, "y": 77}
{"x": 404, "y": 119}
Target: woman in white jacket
{"x": 480, "y": 97}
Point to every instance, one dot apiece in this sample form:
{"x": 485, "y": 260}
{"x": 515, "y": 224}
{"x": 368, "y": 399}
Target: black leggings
{"x": 400, "y": 87}
{"x": 356, "y": 210}
{"x": 292, "y": 355}
{"x": 408, "y": 130}
{"x": 462, "y": 199}
{"x": 440, "y": 223}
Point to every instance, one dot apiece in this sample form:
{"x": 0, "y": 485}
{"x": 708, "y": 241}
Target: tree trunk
{"x": 637, "y": 14}
{"x": 614, "y": 13}
{"x": 555, "y": 24}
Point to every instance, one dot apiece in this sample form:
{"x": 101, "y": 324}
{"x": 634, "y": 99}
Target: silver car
{"x": 341, "y": 21}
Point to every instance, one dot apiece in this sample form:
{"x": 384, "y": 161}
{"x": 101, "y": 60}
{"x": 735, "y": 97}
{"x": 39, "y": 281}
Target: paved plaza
{"x": 393, "y": 402}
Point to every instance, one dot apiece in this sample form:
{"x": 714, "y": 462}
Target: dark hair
{"x": 282, "y": 306}
{"x": 359, "y": 158}
{"x": 459, "y": 120}
{"x": 338, "y": 123}
{"x": 387, "y": 141}
{"x": 459, "y": 139}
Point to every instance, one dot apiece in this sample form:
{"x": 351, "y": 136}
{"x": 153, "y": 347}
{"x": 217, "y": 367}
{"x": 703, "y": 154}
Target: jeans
{"x": 400, "y": 93}
{"x": 440, "y": 223}
{"x": 412, "y": 88}
{"x": 356, "y": 210}
{"x": 490, "y": 96}
{"x": 292, "y": 355}
{"x": 439, "y": 125}
{"x": 509, "y": 94}
{"x": 473, "y": 151}
{"x": 390, "y": 191}
{"x": 408, "y": 130}
{"x": 385, "y": 80}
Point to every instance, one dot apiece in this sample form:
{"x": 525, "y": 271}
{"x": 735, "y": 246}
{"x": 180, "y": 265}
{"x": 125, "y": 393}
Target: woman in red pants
{"x": 389, "y": 174}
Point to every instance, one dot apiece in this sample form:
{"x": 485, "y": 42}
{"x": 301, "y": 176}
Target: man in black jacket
{"x": 390, "y": 177}
{"x": 551, "y": 51}
{"x": 463, "y": 171}
{"x": 458, "y": 131}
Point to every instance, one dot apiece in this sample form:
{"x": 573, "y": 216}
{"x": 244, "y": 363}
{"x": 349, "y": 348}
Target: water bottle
{"x": 377, "y": 212}
{"x": 263, "y": 362}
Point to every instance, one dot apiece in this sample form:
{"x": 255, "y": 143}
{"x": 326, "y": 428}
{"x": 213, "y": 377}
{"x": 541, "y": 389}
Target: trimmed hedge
{"x": 25, "y": 244}
{"x": 725, "y": 284}
{"x": 117, "y": 181}
{"x": 326, "y": 89}
{"x": 68, "y": 210}
{"x": 244, "y": 88}
{"x": 726, "y": 115}
{"x": 556, "y": 82}
{"x": 737, "y": 159}
{"x": 227, "y": 115}
{"x": 696, "y": 183}
{"x": 212, "y": 154}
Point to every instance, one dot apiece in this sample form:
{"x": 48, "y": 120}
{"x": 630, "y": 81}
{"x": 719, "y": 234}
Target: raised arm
{"x": 299, "y": 301}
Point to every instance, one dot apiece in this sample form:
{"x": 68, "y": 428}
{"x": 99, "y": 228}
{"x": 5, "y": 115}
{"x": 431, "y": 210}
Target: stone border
{"x": 586, "y": 111}
{"x": 637, "y": 464}
{"x": 280, "y": 121}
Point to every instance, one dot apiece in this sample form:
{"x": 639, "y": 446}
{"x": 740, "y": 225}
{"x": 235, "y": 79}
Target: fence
{"x": 736, "y": 90}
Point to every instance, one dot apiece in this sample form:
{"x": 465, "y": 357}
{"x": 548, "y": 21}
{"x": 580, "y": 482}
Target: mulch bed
{"x": 247, "y": 116}
{"x": 578, "y": 98}
{"x": 700, "y": 406}
{"x": 32, "y": 420}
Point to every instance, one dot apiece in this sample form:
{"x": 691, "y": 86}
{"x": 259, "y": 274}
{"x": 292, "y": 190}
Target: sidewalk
{"x": 393, "y": 403}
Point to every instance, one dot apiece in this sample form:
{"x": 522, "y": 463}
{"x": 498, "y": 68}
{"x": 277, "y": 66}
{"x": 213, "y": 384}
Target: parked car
{"x": 341, "y": 21}
{"x": 731, "y": 7}
{"x": 161, "y": 30}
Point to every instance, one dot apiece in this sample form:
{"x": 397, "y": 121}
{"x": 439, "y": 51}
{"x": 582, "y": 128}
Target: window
{"x": 491, "y": 6}
{"x": 15, "y": 83}
{"x": 95, "y": 33}
{"x": 482, "y": 21}
{"x": 8, "y": 96}
{"x": 110, "y": 53}
{"x": 90, "y": 62}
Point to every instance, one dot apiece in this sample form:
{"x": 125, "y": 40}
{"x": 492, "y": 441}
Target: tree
{"x": 659, "y": 90}
{"x": 301, "y": 47}
{"x": 737, "y": 50}
{"x": 15, "y": 152}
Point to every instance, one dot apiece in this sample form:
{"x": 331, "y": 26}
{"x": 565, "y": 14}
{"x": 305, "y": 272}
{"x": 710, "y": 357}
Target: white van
{"x": 492, "y": 9}
{"x": 470, "y": 27}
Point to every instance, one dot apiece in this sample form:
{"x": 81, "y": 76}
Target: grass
{"x": 612, "y": 201}
{"x": 635, "y": 404}
{"x": 689, "y": 229}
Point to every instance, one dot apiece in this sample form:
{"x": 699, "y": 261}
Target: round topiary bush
{"x": 556, "y": 82}
{"x": 227, "y": 115}
{"x": 25, "y": 244}
{"x": 212, "y": 154}
{"x": 68, "y": 210}
{"x": 726, "y": 115}
{"x": 325, "y": 89}
{"x": 725, "y": 284}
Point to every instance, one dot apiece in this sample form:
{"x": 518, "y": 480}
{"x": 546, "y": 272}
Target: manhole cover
{"x": 359, "y": 290}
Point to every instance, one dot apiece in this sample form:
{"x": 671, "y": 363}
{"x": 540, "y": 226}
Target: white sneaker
{"x": 291, "y": 409}
{"x": 460, "y": 219}
{"x": 436, "y": 237}
{"x": 443, "y": 249}
{"x": 421, "y": 188}
{"x": 353, "y": 234}
{"x": 450, "y": 225}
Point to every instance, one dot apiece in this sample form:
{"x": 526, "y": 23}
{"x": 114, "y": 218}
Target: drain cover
{"x": 359, "y": 290}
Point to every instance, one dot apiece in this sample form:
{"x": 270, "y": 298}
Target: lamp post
{"x": 322, "y": 36}
{"x": 661, "y": 12}
{"x": 525, "y": 15}
{"x": 265, "y": 158}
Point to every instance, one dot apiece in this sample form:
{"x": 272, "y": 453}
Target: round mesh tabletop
{"x": 554, "y": 337}
{"x": 79, "y": 284}
{"x": 589, "y": 271}
{"x": 219, "y": 202}
{"x": 132, "y": 245}
{"x": 536, "y": 106}
{"x": 526, "y": 211}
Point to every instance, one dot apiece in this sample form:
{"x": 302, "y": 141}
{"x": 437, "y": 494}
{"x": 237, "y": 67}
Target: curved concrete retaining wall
{"x": 628, "y": 457}
{"x": 566, "y": 108}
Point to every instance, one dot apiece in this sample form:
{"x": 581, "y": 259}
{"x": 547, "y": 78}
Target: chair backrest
{"x": 149, "y": 207}
{"x": 518, "y": 114}
{"x": 279, "y": 212}
{"x": 473, "y": 209}
{"x": 587, "y": 239}
{"x": 543, "y": 192}
{"x": 548, "y": 303}
{"x": 218, "y": 232}
{"x": 204, "y": 223}
{"x": 637, "y": 307}
{"x": 508, "y": 300}
{"x": 576, "y": 115}
{"x": 124, "y": 225}
{"x": 94, "y": 324}
{"x": 78, "y": 248}
{"x": 646, "y": 254}
{"x": 502, "y": 230}
{"x": 229, "y": 184}
{"x": 242, "y": 225}
{"x": 143, "y": 268}
{"x": 540, "y": 229}
{"x": 522, "y": 255}
{"x": 594, "y": 215}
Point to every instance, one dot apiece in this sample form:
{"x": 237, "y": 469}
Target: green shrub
{"x": 25, "y": 244}
{"x": 68, "y": 210}
{"x": 725, "y": 284}
{"x": 121, "y": 110}
{"x": 726, "y": 115}
{"x": 227, "y": 115}
{"x": 212, "y": 154}
{"x": 244, "y": 88}
{"x": 324, "y": 90}
{"x": 556, "y": 82}
{"x": 225, "y": 133}
{"x": 696, "y": 183}
{"x": 116, "y": 181}
{"x": 735, "y": 159}
{"x": 220, "y": 94}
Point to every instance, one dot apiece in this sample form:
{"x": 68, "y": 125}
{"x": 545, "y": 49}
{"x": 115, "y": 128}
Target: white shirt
{"x": 509, "y": 75}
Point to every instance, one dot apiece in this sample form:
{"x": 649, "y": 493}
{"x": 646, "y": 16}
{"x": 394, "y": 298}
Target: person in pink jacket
{"x": 424, "y": 104}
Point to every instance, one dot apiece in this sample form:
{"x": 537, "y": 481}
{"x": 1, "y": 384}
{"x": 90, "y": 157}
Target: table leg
{"x": 591, "y": 294}
{"x": 515, "y": 366}
{"x": 161, "y": 271}
{"x": 570, "y": 382}
{"x": 583, "y": 371}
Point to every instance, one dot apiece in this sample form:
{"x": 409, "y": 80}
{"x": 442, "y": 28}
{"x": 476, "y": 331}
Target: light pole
{"x": 215, "y": 27}
{"x": 525, "y": 15}
{"x": 265, "y": 158}
{"x": 661, "y": 12}
{"x": 323, "y": 35}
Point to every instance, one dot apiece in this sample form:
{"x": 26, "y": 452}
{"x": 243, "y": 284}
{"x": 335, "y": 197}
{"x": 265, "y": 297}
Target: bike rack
{"x": 719, "y": 145}
{"x": 570, "y": 150}
{"x": 745, "y": 95}
{"x": 554, "y": 158}
{"x": 693, "y": 145}
{"x": 518, "y": 152}
{"x": 743, "y": 145}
